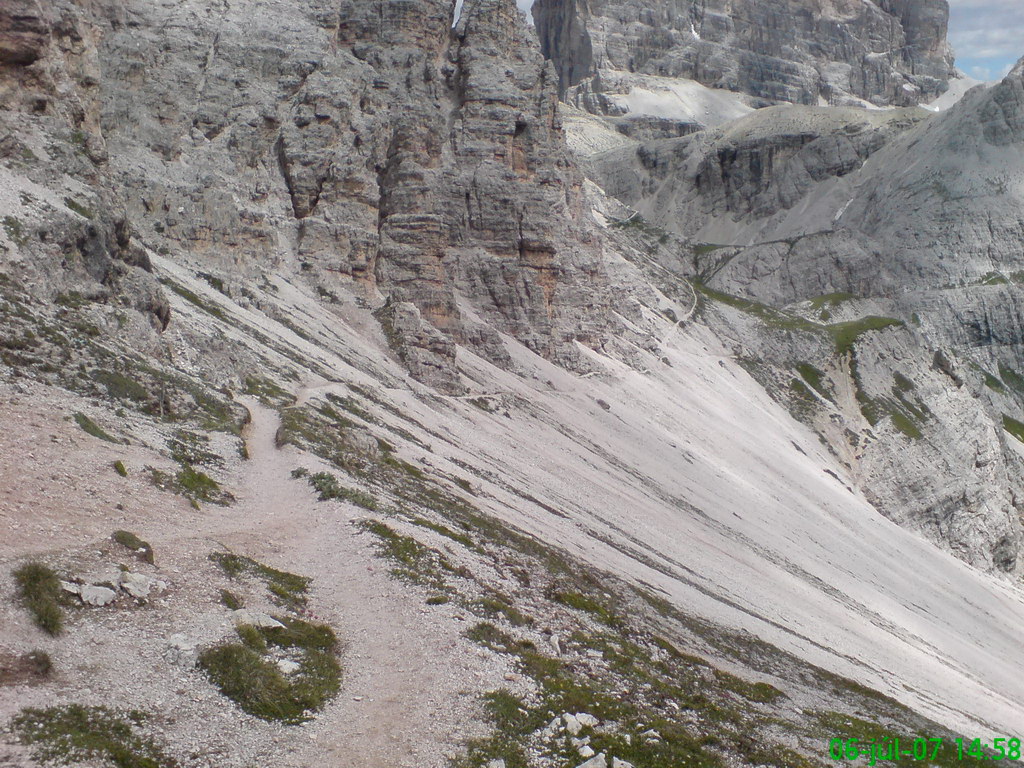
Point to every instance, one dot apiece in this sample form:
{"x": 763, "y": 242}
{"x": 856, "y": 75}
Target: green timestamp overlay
{"x": 921, "y": 749}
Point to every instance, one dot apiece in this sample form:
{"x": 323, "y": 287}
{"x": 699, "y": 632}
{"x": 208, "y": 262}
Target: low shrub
{"x": 142, "y": 550}
{"x": 39, "y": 591}
{"x": 74, "y": 733}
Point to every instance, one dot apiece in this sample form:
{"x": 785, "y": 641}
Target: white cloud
{"x": 987, "y": 35}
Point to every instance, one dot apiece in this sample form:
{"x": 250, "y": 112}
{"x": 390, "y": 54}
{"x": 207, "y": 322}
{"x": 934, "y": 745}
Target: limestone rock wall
{"x": 364, "y": 145}
{"x": 887, "y": 52}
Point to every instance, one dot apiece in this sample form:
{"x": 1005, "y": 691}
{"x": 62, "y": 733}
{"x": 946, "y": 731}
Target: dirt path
{"x": 409, "y": 691}
{"x": 411, "y": 681}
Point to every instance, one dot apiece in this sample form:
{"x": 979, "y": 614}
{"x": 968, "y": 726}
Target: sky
{"x": 987, "y": 35}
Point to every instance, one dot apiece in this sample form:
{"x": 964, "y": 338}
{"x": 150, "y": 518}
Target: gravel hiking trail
{"x": 411, "y": 681}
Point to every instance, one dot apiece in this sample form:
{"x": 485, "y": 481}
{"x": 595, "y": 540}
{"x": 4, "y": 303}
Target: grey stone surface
{"x": 784, "y": 50}
{"x": 93, "y": 594}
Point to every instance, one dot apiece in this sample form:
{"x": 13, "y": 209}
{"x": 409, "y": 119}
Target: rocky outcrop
{"x": 887, "y": 52}
{"x": 366, "y": 146}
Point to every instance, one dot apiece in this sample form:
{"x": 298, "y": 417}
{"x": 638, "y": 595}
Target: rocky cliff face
{"x": 836, "y": 52}
{"x": 367, "y": 143}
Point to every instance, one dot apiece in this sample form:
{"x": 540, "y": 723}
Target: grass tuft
{"x": 142, "y": 550}
{"x": 74, "y": 733}
{"x": 39, "y": 591}
{"x": 762, "y": 693}
{"x": 248, "y": 675}
{"x": 588, "y": 604}
{"x": 289, "y": 588}
{"x": 328, "y": 488}
{"x": 92, "y": 428}
{"x": 413, "y": 561}
{"x": 1014, "y": 427}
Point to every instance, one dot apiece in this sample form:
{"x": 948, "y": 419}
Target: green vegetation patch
{"x": 1014, "y": 427}
{"x": 82, "y": 210}
{"x": 190, "y": 448}
{"x": 904, "y": 408}
{"x": 289, "y": 588}
{"x": 496, "y": 605}
{"x": 703, "y": 249}
{"x": 762, "y": 693}
{"x": 71, "y": 300}
{"x": 993, "y": 383}
{"x": 994, "y": 278}
{"x": 268, "y": 392}
{"x": 193, "y": 484}
{"x": 445, "y": 531}
{"x": 141, "y": 549}
{"x": 328, "y": 487}
{"x": 581, "y": 602}
{"x": 249, "y": 675}
{"x": 845, "y": 335}
{"x": 824, "y": 305}
{"x": 92, "y": 428}
{"x": 214, "y": 282}
{"x": 803, "y": 402}
{"x": 1012, "y": 379}
{"x": 121, "y": 386}
{"x": 412, "y": 561}
{"x": 513, "y": 723}
{"x": 351, "y": 405}
{"x": 830, "y": 300}
{"x": 816, "y": 379}
{"x": 39, "y": 591}
{"x": 489, "y": 636}
{"x": 74, "y": 733}
{"x": 14, "y": 229}
{"x": 120, "y": 468}
{"x": 770, "y": 316}
{"x": 193, "y": 298}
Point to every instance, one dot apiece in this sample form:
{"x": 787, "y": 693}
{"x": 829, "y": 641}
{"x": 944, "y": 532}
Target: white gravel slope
{"x": 695, "y": 482}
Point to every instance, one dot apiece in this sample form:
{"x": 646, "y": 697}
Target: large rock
{"x": 93, "y": 594}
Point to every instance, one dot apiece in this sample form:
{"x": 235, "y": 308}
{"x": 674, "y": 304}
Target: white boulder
{"x": 93, "y": 594}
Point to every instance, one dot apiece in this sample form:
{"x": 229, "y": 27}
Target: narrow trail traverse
{"x": 411, "y": 681}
